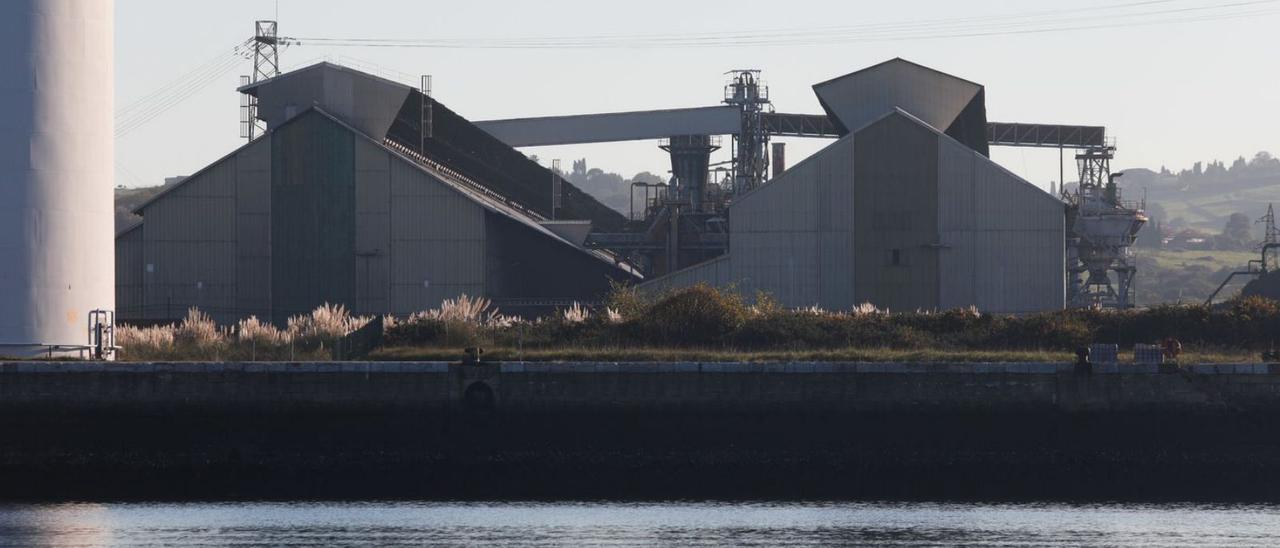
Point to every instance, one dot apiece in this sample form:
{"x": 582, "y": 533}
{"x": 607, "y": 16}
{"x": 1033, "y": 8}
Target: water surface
{"x": 636, "y": 524}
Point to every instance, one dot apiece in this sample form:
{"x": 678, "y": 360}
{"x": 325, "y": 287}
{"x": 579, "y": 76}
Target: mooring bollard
{"x": 1083, "y": 366}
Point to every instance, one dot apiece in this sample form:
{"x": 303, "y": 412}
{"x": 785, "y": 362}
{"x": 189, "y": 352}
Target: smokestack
{"x": 779, "y": 161}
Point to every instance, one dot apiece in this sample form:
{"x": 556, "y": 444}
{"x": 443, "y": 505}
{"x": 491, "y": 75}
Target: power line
{"x": 1137, "y": 13}
{"x": 167, "y": 102}
{"x": 862, "y": 28}
{"x": 1132, "y": 14}
{"x": 154, "y": 95}
{"x": 173, "y": 93}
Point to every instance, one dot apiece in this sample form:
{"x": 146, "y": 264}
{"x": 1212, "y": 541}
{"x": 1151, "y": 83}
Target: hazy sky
{"x": 1173, "y": 87}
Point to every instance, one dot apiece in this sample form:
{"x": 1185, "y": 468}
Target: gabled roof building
{"x": 346, "y": 201}
{"x": 905, "y": 211}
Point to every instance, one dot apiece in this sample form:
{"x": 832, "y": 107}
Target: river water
{"x": 636, "y": 524}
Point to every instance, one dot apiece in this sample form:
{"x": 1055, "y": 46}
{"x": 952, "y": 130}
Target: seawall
{"x": 638, "y": 430}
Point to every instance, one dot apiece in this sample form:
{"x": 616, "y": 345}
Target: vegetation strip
{"x": 706, "y": 324}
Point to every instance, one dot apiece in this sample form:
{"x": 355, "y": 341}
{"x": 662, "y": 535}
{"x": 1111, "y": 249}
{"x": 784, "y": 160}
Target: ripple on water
{"x": 632, "y": 524}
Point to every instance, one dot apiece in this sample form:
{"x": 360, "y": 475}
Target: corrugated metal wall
{"x": 189, "y": 255}
{"x": 437, "y": 241}
{"x": 312, "y": 216}
{"x": 373, "y": 229}
{"x": 129, "y": 273}
{"x": 1002, "y": 237}
{"x": 836, "y": 226}
{"x": 929, "y": 224}
{"x": 774, "y": 236}
{"x": 792, "y": 238}
{"x": 716, "y": 273}
{"x": 253, "y": 230}
{"x": 532, "y": 272}
{"x": 203, "y": 243}
{"x": 895, "y": 214}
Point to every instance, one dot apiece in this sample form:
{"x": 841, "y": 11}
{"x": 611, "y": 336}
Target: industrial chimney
{"x": 57, "y": 150}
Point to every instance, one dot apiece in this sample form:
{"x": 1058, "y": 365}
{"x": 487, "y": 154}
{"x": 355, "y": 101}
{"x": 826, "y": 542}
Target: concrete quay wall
{"x": 543, "y": 385}
{"x": 163, "y": 431}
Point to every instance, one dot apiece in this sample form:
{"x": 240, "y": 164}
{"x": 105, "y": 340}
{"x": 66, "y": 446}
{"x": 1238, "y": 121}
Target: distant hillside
{"x": 611, "y": 189}
{"x": 1204, "y": 197}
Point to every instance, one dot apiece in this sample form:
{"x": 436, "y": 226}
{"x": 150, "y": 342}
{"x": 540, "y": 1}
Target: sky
{"x": 1174, "y": 81}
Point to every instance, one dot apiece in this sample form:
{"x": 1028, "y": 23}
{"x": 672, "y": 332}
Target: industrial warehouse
{"x": 896, "y": 212}
{"x": 372, "y": 194}
{"x": 335, "y": 205}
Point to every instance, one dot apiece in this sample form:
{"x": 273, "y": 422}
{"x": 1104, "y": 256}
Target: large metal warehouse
{"x": 905, "y": 211}
{"x": 367, "y": 193}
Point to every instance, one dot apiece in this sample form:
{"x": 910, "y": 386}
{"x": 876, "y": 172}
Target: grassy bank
{"x": 705, "y": 324}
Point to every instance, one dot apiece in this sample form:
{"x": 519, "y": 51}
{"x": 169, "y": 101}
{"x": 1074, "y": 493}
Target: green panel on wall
{"x": 313, "y": 216}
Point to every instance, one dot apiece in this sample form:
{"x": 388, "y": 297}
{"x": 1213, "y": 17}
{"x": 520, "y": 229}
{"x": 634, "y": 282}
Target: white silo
{"x": 57, "y": 151}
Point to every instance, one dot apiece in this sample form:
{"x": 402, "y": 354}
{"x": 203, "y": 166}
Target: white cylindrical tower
{"x": 57, "y": 150}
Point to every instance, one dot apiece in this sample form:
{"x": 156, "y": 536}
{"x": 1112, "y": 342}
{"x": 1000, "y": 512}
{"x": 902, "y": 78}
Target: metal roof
{"x": 935, "y": 97}
{"x": 252, "y": 89}
{"x": 896, "y": 111}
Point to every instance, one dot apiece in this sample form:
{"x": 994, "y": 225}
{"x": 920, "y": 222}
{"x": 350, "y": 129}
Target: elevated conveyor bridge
{"x": 725, "y": 120}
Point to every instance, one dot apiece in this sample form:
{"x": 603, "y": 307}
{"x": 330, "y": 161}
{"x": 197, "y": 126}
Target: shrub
{"x": 328, "y": 322}
{"x": 1255, "y": 319}
{"x": 698, "y": 315}
{"x": 1050, "y": 330}
{"x": 628, "y": 302}
{"x": 254, "y": 331}
{"x": 414, "y": 331}
{"x": 145, "y": 343}
{"x": 576, "y": 314}
{"x": 458, "y": 322}
{"x": 788, "y": 330}
{"x": 198, "y": 331}
{"x": 464, "y": 309}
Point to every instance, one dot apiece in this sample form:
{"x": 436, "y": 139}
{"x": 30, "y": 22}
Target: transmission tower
{"x": 1272, "y": 232}
{"x": 266, "y": 65}
{"x": 1270, "y": 238}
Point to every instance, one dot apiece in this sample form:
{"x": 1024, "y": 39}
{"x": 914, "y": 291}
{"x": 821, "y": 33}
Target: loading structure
{"x": 1101, "y": 230}
{"x": 685, "y": 221}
